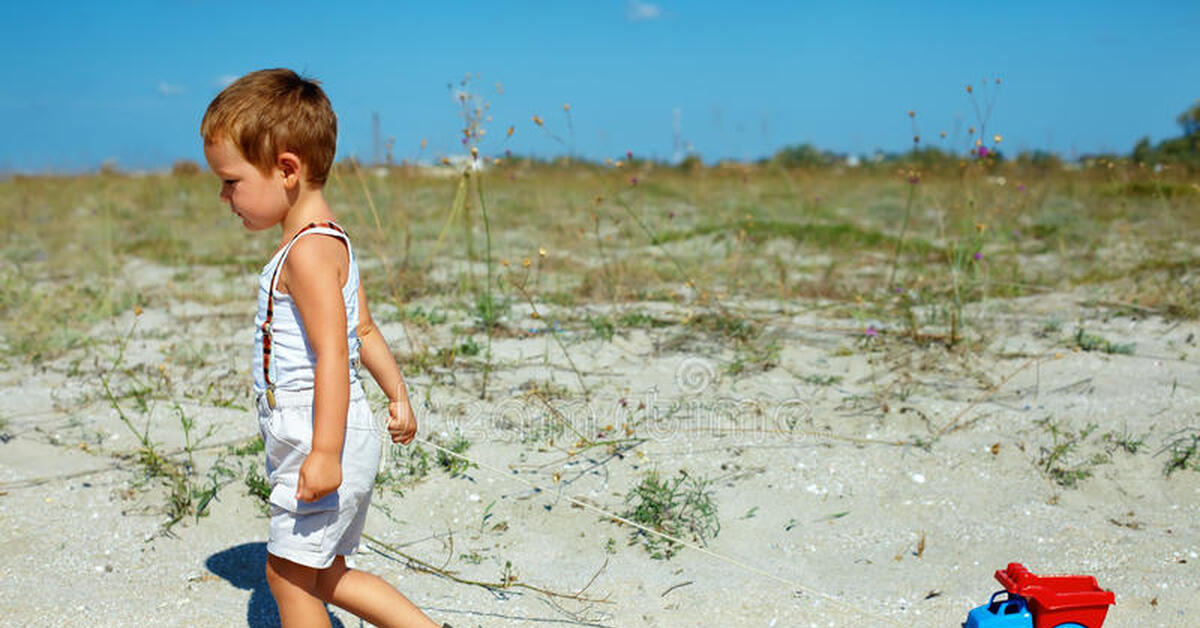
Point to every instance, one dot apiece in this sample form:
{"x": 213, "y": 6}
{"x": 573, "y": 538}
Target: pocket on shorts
{"x": 359, "y": 416}
{"x": 293, "y": 427}
{"x": 362, "y": 448}
{"x": 284, "y": 497}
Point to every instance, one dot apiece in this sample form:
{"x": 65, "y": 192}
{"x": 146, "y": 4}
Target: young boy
{"x": 271, "y": 136}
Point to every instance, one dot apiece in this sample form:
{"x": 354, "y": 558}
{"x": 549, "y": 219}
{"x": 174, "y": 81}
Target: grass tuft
{"x": 1183, "y": 452}
{"x": 1060, "y": 460}
{"x": 681, "y": 506}
{"x": 1090, "y": 342}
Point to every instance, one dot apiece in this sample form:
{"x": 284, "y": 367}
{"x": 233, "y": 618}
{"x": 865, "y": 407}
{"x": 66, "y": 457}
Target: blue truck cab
{"x": 1011, "y": 612}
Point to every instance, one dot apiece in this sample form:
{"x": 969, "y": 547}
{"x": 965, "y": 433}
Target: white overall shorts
{"x": 309, "y": 533}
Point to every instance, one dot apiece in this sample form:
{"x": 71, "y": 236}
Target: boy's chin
{"x": 250, "y": 226}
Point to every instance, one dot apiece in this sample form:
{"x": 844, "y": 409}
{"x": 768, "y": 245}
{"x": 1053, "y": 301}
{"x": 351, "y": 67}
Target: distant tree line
{"x": 1183, "y": 150}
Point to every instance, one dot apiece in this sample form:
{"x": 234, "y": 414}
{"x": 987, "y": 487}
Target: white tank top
{"x": 292, "y": 359}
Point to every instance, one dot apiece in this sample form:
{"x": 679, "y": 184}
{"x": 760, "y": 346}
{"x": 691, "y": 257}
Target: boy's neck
{"x": 308, "y": 207}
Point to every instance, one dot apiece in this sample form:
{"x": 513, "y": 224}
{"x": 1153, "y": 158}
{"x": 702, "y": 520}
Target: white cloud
{"x": 169, "y": 89}
{"x": 225, "y": 80}
{"x": 637, "y": 11}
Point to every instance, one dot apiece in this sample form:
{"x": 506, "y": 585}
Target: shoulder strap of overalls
{"x": 266, "y": 326}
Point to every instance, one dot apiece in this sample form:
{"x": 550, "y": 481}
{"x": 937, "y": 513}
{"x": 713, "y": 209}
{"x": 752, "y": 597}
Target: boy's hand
{"x": 320, "y": 475}
{"x": 402, "y": 424}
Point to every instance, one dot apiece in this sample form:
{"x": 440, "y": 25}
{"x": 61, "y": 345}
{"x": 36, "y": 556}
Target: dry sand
{"x": 816, "y": 529}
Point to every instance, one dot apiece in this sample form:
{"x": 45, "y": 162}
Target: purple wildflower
{"x": 871, "y": 331}
{"x": 633, "y": 181}
{"x": 983, "y": 152}
{"x": 978, "y": 255}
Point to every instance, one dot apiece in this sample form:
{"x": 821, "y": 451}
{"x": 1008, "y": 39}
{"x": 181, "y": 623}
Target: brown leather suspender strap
{"x": 266, "y": 326}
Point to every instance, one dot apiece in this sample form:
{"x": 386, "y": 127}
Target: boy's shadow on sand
{"x": 244, "y": 566}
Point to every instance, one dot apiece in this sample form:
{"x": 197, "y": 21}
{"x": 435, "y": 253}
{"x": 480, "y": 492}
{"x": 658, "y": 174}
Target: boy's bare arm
{"x": 377, "y": 357}
{"x": 316, "y": 287}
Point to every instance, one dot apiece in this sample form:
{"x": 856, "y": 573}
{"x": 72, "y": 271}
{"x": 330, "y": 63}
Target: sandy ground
{"x": 824, "y": 521}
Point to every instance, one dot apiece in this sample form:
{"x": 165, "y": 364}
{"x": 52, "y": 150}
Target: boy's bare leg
{"x": 368, "y": 596}
{"x": 294, "y": 587}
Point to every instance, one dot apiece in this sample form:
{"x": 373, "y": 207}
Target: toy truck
{"x": 1033, "y": 601}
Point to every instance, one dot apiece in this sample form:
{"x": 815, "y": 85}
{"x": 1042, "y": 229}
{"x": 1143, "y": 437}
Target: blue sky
{"x": 129, "y": 81}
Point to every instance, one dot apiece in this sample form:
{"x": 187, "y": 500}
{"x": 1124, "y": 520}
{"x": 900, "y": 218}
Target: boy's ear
{"x": 289, "y": 166}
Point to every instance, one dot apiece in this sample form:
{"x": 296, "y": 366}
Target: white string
{"x": 733, "y": 561}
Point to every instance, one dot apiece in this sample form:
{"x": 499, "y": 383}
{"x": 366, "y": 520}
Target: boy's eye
{"x": 229, "y": 181}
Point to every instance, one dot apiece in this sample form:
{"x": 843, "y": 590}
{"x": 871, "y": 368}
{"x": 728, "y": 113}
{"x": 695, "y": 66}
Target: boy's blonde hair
{"x": 269, "y": 112}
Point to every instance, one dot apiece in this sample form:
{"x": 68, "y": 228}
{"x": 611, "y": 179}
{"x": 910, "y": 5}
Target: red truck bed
{"x": 1057, "y": 599}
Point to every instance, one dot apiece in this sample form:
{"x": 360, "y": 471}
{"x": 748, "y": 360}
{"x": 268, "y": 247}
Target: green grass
{"x": 680, "y": 506}
{"x": 1090, "y": 342}
{"x": 1182, "y": 452}
{"x": 727, "y": 327}
{"x": 454, "y": 465}
{"x": 641, "y": 320}
{"x": 410, "y": 464}
{"x": 1124, "y": 441}
{"x": 746, "y": 232}
{"x": 251, "y": 447}
{"x": 821, "y": 380}
{"x": 750, "y": 357}
{"x": 135, "y": 393}
{"x": 817, "y": 235}
{"x": 1150, "y": 189}
{"x": 602, "y": 327}
{"x": 257, "y": 485}
{"x": 1061, "y": 459}
{"x": 420, "y": 315}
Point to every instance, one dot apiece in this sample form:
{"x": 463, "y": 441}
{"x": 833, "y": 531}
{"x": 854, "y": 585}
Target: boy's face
{"x": 260, "y": 200}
